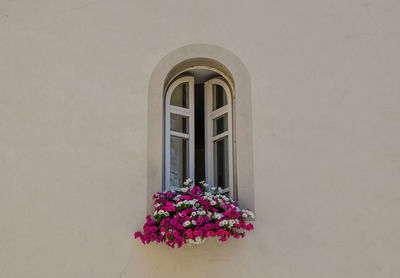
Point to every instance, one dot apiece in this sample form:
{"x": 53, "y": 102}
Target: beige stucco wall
{"x": 74, "y": 82}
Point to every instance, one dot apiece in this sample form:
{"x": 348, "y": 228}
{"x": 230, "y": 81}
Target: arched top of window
{"x": 180, "y": 95}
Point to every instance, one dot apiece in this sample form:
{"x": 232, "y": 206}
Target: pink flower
{"x": 197, "y": 233}
{"x": 137, "y": 234}
{"x": 222, "y": 238}
{"x": 210, "y": 233}
{"x": 250, "y": 227}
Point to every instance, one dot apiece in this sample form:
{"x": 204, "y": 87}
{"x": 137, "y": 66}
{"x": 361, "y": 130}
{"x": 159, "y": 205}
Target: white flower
{"x": 157, "y": 205}
{"x": 155, "y": 213}
{"x": 186, "y": 223}
{"x": 161, "y": 211}
{"x": 244, "y": 215}
{"x": 166, "y": 213}
{"x": 194, "y": 213}
{"x": 188, "y": 181}
{"x": 231, "y": 222}
{"x": 193, "y": 222}
{"x": 213, "y": 203}
{"x": 184, "y": 189}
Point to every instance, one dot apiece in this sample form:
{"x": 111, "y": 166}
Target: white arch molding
{"x": 233, "y": 70}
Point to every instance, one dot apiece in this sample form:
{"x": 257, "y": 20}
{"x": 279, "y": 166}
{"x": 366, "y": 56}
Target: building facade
{"x": 312, "y": 134}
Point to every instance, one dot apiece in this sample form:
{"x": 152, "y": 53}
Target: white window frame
{"x": 186, "y": 112}
{"x": 210, "y": 115}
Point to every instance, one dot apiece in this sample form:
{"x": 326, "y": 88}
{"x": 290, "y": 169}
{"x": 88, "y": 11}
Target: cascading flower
{"x": 193, "y": 215}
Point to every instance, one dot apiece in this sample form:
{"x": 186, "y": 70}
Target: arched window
{"x": 203, "y": 63}
{"x": 199, "y": 131}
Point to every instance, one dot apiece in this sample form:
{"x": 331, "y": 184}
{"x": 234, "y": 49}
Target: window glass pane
{"x": 221, "y": 163}
{"x": 219, "y": 97}
{"x": 180, "y": 95}
{"x": 179, "y": 123}
{"x": 179, "y": 160}
{"x": 220, "y": 124}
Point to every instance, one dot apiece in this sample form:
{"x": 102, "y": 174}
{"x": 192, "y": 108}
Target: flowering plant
{"x": 193, "y": 215}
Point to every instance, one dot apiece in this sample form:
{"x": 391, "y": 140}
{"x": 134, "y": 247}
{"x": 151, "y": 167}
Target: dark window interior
{"x": 199, "y": 144}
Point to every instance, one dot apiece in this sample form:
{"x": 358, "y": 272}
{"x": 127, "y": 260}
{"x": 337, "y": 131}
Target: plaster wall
{"x": 74, "y": 92}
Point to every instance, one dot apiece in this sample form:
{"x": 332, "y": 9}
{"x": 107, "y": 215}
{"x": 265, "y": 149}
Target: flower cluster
{"x": 193, "y": 215}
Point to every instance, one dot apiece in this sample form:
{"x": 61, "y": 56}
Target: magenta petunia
{"x": 189, "y": 217}
{"x": 210, "y": 233}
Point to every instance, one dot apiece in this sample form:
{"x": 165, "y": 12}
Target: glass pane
{"x": 180, "y": 95}
{"x": 220, "y": 124}
{"x": 179, "y": 161}
{"x": 179, "y": 123}
{"x": 219, "y": 97}
{"x": 221, "y": 163}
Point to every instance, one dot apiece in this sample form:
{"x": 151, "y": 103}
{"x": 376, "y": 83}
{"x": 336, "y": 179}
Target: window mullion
{"x": 179, "y": 110}
{"x": 221, "y": 135}
{"x": 179, "y": 134}
{"x": 219, "y": 112}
